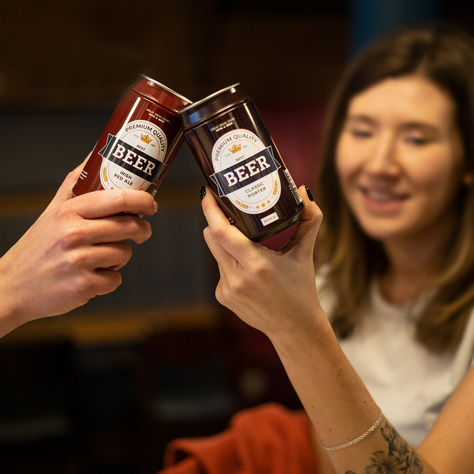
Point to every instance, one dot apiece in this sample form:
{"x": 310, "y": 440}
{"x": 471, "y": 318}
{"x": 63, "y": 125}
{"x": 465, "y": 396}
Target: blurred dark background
{"x": 104, "y": 388}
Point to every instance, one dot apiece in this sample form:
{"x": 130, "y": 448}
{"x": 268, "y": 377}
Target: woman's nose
{"x": 383, "y": 160}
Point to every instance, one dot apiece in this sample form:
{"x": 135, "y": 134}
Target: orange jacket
{"x": 269, "y": 439}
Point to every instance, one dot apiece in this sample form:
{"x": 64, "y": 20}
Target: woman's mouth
{"x": 383, "y": 201}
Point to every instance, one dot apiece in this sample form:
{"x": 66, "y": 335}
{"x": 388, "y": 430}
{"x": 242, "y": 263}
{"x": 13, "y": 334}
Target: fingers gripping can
{"x": 139, "y": 142}
{"x": 241, "y": 163}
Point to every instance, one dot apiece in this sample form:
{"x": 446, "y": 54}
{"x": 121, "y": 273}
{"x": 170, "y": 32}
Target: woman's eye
{"x": 360, "y": 133}
{"x": 418, "y": 141}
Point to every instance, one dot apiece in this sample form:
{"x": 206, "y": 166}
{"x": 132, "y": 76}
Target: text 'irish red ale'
{"x": 241, "y": 163}
{"x": 139, "y": 142}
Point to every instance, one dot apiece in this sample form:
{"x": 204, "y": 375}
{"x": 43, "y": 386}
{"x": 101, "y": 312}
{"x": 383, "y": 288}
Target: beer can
{"x": 241, "y": 163}
{"x": 139, "y": 142}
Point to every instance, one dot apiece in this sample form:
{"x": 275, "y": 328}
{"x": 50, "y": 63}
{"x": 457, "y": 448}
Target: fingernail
{"x": 202, "y": 192}
{"x": 308, "y": 192}
{"x": 155, "y": 206}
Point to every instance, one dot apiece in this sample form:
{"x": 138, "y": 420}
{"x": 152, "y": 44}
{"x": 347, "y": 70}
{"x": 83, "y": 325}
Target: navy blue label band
{"x": 130, "y": 158}
{"x": 245, "y": 172}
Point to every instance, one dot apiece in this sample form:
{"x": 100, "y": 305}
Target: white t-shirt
{"x": 409, "y": 383}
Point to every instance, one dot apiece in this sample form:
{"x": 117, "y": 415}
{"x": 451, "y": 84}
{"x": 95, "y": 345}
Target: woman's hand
{"x": 72, "y": 253}
{"x": 274, "y": 292}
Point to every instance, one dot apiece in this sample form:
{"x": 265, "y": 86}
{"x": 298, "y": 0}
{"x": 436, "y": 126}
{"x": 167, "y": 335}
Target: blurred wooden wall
{"x": 84, "y": 52}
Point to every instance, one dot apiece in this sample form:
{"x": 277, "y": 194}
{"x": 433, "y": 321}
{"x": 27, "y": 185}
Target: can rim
{"x": 209, "y": 97}
{"x": 148, "y": 78}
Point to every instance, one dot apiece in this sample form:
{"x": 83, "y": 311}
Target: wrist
{"x": 310, "y": 334}
{"x": 10, "y": 312}
{"x": 9, "y": 317}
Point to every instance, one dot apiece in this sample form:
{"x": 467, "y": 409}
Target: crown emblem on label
{"x": 236, "y": 148}
{"x": 145, "y": 138}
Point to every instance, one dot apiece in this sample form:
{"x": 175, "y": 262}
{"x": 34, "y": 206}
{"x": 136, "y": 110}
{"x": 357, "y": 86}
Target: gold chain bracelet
{"x": 356, "y": 440}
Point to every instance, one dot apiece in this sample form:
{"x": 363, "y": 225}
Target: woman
{"x": 380, "y": 349}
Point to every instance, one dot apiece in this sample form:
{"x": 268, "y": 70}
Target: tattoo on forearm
{"x": 401, "y": 458}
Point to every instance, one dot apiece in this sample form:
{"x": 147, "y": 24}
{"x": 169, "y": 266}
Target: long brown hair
{"x": 445, "y": 56}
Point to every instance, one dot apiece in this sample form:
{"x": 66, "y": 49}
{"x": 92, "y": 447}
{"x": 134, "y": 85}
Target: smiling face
{"x": 400, "y": 160}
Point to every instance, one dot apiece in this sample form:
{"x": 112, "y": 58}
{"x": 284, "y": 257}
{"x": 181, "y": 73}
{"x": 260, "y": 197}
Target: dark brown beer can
{"x": 241, "y": 163}
{"x": 139, "y": 142}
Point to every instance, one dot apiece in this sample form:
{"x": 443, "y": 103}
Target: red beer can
{"x": 139, "y": 142}
{"x": 241, "y": 163}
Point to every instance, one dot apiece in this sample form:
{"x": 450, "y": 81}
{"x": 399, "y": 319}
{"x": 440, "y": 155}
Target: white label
{"x": 246, "y": 171}
{"x": 270, "y": 218}
{"x": 132, "y": 158}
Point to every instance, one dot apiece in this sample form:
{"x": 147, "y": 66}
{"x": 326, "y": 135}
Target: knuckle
{"x": 148, "y": 200}
{"x": 83, "y": 287}
{"x": 146, "y": 232}
{"x": 224, "y": 295}
{"x": 109, "y": 284}
{"x": 63, "y": 212}
{"x": 124, "y": 255}
{"x": 118, "y": 198}
{"x": 126, "y": 252}
{"x": 219, "y": 294}
{"x": 68, "y": 237}
{"x": 135, "y": 228}
{"x": 101, "y": 282}
{"x": 77, "y": 263}
{"x": 218, "y": 233}
{"x": 129, "y": 225}
{"x": 237, "y": 286}
{"x": 260, "y": 270}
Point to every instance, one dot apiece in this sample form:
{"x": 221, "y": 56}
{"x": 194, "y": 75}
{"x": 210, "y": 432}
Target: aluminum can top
{"x": 159, "y": 93}
{"x": 198, "y": 112}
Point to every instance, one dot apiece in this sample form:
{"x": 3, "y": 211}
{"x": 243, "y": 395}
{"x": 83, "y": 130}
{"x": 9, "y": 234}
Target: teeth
{"x": 380, "y": 196}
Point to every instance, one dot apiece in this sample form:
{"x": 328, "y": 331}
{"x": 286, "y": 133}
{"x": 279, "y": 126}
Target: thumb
{"x": 64, "y": 192}
{"x": 304, "y": 238}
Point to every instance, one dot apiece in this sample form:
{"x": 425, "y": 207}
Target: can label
{"x": 133, "y": 158}
{"x": 246, "y": 171}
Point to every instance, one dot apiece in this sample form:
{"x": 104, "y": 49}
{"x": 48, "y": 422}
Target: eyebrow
{"x": 409, "y": 125}
{"x": 420, "y": 126}
{"x": 360, "y": 118}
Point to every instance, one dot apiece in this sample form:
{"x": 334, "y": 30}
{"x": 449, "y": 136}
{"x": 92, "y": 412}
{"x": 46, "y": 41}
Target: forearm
{"x": 9, "y": 317}
{"x": 8, "y": 321}
{"x": 339, "y": 405}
